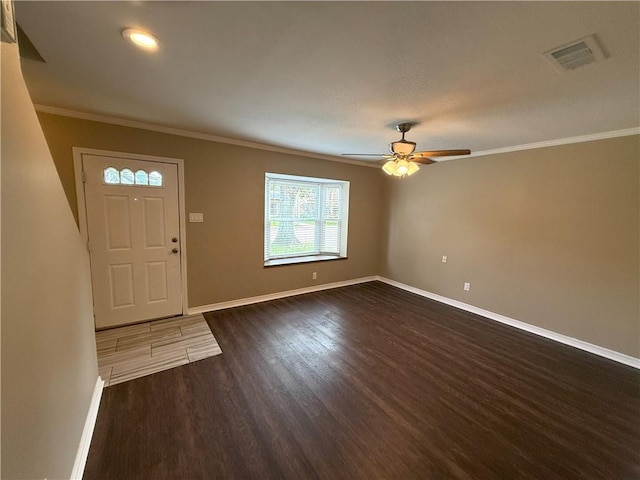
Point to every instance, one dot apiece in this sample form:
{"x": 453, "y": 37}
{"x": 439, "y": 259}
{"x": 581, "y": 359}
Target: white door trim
{"x": 78, "y": 152}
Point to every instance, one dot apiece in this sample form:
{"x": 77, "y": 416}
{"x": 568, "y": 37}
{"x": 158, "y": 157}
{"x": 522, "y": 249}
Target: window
{"x": 112, "y": 176}
{"x": 305, "y": 219}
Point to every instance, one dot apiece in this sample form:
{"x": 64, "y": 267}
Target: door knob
{"x": 175, "y": 250}
{"x": 174, "y": 240}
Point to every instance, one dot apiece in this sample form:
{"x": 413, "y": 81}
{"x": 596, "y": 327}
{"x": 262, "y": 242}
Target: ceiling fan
{"x": 403, "y": 160}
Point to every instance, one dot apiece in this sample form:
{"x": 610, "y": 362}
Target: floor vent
{"x": 576, "y": 54}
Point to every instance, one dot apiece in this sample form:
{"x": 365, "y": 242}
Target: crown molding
{"x": 270, "y": 148}
{"x": 187, "y": 133}
{"x": 551, "y": 143}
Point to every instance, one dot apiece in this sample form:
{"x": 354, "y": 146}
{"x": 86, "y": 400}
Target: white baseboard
{"x": 87, "y": 432}
{"x": 273, "y": 296}
{"x": 558, "y": 337}
{"x": 573, "y": 342}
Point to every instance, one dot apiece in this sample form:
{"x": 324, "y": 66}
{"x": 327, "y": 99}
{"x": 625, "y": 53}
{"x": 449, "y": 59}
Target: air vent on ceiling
{"x": 576, "y": 54}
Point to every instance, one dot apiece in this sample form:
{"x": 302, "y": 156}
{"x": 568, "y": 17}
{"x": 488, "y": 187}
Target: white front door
{"x": 134, "y": 239}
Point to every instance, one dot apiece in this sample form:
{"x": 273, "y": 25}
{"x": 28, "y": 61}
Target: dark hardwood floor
{"x": 372, "y": 382}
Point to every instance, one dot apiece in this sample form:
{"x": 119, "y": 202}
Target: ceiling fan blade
{"x": 441, "y": 153}
{"x": 423, "y": 160}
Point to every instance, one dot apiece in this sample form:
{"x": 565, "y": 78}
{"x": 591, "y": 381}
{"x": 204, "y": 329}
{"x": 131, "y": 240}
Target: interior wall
{"x": 49, "y": 367}
{"x": 549, "y": 237}
{"x": 226, "y": 183}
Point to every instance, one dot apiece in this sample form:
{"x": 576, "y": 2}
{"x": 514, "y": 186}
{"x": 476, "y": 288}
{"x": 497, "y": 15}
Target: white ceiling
{"x": 334, "y": 77}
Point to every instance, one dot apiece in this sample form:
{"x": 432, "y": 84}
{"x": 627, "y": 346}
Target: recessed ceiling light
{"x": 140, "y": 38}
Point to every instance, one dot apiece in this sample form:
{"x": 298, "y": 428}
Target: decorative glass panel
{"x": 111, "y": 175}
{"x": 155, "y": 179}
{"x": 142, "y": 178}
{"x": 126, "y": 177}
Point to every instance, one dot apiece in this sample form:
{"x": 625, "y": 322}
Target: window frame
{"x": 322, "y": 184}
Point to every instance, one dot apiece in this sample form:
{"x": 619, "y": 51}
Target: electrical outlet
{"x": 444, "y": 259}
{"x": 314, "y": 276}
{"x": 467, "y": 286}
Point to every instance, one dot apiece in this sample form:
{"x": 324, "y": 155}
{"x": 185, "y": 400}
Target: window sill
{"x": 295, "y": 260}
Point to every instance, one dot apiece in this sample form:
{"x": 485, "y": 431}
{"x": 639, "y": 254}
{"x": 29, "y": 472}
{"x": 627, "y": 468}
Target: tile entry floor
{"x": 125, "y": 353}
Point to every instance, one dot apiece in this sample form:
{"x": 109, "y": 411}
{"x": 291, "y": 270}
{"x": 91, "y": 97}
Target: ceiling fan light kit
{"x": 400, "y": 167}
{"x": 404, "y": 160}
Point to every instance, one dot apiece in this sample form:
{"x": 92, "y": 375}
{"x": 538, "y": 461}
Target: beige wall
{"x": 549, "y": 237}
{"x": 226, "y": 183}
{"x": 546, "y": 236}
{"x": 49, "y": 366}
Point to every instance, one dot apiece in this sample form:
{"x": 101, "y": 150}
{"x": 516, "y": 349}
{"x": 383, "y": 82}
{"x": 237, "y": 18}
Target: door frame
{"x": 79, "y": 152}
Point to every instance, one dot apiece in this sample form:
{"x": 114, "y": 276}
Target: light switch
{"x": 196, "y": 217}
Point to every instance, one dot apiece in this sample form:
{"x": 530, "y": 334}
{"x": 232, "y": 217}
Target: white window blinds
{"x": 304, "y": 217}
